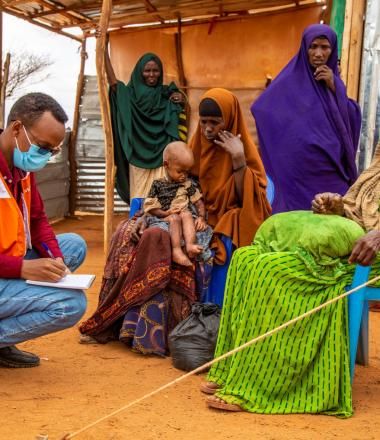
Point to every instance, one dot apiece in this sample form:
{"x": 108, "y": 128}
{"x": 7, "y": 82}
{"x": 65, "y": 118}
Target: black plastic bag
{"x": 192, "y": 342}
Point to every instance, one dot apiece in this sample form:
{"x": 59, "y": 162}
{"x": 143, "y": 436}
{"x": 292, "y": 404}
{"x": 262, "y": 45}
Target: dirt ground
{"x": 77, "y": 384}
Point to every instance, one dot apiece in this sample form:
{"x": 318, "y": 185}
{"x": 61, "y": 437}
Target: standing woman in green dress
{"x": 146, "y": 116}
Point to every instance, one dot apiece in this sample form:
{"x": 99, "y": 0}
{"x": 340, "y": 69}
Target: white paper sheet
{"x": 70, "y": 281}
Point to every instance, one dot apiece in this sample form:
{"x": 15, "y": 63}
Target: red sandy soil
{"x": 77, "y": 384}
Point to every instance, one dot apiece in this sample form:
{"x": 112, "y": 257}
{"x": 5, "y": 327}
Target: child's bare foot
{"x": 193, "y": 249}
{"x": 178, "y": 256}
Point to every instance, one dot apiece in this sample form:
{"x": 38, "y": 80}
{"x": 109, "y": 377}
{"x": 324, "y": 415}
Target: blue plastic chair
{"x": 270, "y": 190}
{"x": 358, "y": 317}
{"x": 136, "y": 205}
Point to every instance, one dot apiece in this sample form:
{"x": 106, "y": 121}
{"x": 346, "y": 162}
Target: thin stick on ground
{"x": 223, "y": 356}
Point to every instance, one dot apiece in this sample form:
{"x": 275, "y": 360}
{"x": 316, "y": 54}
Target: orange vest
{"x": 14, "y": 225}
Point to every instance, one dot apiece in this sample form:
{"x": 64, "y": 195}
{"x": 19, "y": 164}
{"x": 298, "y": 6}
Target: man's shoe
{"x": 12, "y": 357}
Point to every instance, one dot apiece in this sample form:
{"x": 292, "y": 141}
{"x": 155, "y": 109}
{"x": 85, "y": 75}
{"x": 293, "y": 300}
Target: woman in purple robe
{"x": 308, "y": 128}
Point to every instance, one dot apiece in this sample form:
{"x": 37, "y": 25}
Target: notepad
{"x": 70, "y": 281}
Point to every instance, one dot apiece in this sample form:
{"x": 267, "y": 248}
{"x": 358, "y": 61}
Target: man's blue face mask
{"x": 32, "y": 160}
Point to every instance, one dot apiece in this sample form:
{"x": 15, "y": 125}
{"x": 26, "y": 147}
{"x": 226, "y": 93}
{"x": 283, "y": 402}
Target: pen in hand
{"x": 48, "y": 251}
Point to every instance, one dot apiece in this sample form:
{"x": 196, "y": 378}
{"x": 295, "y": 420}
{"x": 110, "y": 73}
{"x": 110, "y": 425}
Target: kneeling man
{"x": 29, "y": 249}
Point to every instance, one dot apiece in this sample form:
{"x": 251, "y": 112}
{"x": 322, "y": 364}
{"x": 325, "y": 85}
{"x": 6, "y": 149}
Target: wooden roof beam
{"x": 26, "y": 15}
{"x": 149, "y": 7}
{"x": 64, "y": 13}
{"x": 152, "y": 9}
{"x": 84, "y": 7}
{"x": 14, "y": 2}
{"x": 42, "y": 25}
{"x": 59, "y": 10}
{"x": 21, "y": 13}
{"x": 119, "y": 25}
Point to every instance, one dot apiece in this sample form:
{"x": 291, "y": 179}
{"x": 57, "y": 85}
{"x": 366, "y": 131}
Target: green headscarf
{"x": 145, "y": 118}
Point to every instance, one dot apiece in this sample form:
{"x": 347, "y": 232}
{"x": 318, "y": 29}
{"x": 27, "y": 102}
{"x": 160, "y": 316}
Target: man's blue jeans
{"x": 28, "y": 311}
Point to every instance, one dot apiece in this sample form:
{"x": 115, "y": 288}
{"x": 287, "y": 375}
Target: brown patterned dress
{"x": 143, "y": 294}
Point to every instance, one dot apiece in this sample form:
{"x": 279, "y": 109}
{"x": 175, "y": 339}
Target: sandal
{"x": 215, "y": 402}
{"x": 86, "y": 339}
{"x": 209, "y": 387}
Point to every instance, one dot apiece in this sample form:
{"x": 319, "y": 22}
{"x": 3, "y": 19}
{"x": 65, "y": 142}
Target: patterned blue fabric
{"x": 145, "y": 327}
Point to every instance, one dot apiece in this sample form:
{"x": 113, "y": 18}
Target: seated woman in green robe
{"x": 298, "y": 260}
{"x": 146, "y": 116}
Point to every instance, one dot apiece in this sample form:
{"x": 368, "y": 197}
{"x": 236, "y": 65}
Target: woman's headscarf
{"x": 362, "y": 201}
{"x": 144, "y": 121}
{"x": 213, "y": 167}
{"x": 308, "y": 134}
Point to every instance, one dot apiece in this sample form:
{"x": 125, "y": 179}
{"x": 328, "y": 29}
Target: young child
{"x": 177, "y": 201}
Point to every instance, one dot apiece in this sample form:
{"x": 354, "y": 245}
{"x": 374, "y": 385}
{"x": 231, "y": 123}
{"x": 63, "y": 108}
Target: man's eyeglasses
{"x": 44, "y": 150}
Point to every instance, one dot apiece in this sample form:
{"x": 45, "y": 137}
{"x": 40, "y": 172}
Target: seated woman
{"x": 143, "y": 294}
{"x": 308, "y": 128}
{"x": 146, "y": 116}
{"x": 229, "y": 169}
{"x": 298, "y": 261}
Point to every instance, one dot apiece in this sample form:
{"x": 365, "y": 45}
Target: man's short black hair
{"x": 29, "y": 108}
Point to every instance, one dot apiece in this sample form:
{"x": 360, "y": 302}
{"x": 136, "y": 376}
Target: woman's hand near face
{"x": 324, "y": 73}
{"x": 233, "y": 146}
{"x": 366, "y": 249}
{"x": 328, "y": 203}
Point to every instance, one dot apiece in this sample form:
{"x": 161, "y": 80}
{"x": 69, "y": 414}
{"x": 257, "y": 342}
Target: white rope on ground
{"x": 223, "y": 356}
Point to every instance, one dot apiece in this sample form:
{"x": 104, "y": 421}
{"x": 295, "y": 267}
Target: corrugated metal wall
{"x": 369, "y": 96}
{"x": 90, "y": 154}
{"x": 54, "y": 184}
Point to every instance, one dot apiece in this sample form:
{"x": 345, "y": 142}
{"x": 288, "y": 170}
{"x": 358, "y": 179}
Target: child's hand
{"x": 200, "y": 224}
{"x": 177, "y": 97}
{"x": 173, "y": 211}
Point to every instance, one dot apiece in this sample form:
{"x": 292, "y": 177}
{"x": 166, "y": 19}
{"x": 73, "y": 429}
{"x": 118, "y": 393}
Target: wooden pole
{"x": 106, "y": 118}
{"x": 3, "y": 90}
{"x": 346, "y": 40}
{"x": 352, "y": 45}
{"x": 178, "y": 50}
{"x": 355, "y": 54}
{"x": 181, "y": 70}
{"x": 74, "y": 131}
